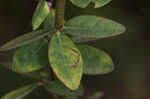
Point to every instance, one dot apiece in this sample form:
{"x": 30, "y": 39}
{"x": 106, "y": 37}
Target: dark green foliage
{"x": 53, "y": 59}
{"x": 31, "y": 57}
{"x": 57, "y": 87}
{"x": 50, "y": 21}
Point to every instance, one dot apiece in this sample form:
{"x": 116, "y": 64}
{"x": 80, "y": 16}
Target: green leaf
{"x": 96, "y": 95}
{"x": 81, "y": 3}
{"x": 77, "y": 39}
{"x": 69, "y": 97}
{"x": 95, "y": 61}
{"x": 65, "y": 60}
{"x": 40, "y": 14}
{"x": 19, "y": 93}
{"x": 93, "y": 27}
{"x": 42, "y": 74}
{"x": 24, "y": 39}
{"x": 49, "y": 23}
{"x": 31, "y": 57}
{"x": 85, "y": 3}
{"x": 57, "y": 87}
{"x": 100, "y": 3}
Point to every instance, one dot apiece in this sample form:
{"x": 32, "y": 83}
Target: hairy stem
{"x": 60, "y": 10}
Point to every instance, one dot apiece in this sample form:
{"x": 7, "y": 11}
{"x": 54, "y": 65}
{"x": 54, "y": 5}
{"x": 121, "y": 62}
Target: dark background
{"x": 130, "y": 51}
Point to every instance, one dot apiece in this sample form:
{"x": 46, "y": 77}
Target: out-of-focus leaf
{"x": 40, "y": 14}
{"x": 59, "y": 88}
{"x": 20, "y": 93}
{"x": 85, "y": 3}
{"x": 42, "y": 74}
{"x": 81, "y": 3}
{"x": 100, "y": 3}
{"x": 24, "y": 39}
{"x": 92, "y": 27}
{"x": 95, "y": 61}
{"x": 31, "y": 57}
{"x": 96, "y": 95}
{"x": 49, "y": 23}
{"x": 69, "y": 97}
{"x": 65, "y": 60}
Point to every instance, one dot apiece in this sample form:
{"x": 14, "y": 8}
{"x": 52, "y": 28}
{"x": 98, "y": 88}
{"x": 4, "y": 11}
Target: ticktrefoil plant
{"x": 52, "y": 53}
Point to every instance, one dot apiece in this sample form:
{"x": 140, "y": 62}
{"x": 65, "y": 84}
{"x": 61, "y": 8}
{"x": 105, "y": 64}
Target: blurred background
{"x": 129, "y": 51}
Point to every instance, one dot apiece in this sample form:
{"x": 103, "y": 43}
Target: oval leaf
{"x": 95, "y": 61}
{"x": 65, "y": 60}
{"x": 24, "y": 39}
{"x": 19, "y": 93}
{"x": 49, "y": 23}
{"x": 31, "y": 57}
{"x": 93, "y": 27}
{"x": 81, "y": 3}
{"x": 57, "y": 87}
{"x": 82, "y": 39}
{"x": 100, "y": 3}
{"x": 40, "y": 14}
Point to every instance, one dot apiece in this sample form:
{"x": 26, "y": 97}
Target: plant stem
{"x": 60, "y": 11}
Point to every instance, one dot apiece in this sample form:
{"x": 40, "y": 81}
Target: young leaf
{"x": 49, "y": 23}
{"x": 24, "y": 39}
{"x": 100, "y": 3}
{"x": 95, "y": 61}
{"x": 20, "y": 93}
{"x": 65, "y": 60}
{"x": 57, "y": 87}
{"x": 96, "y": 95}
{"x": 93, "y": 27}
{"x": 40, "y": 14}
{"x": 81, "y": 3}
{"x": 31, "y": 57}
